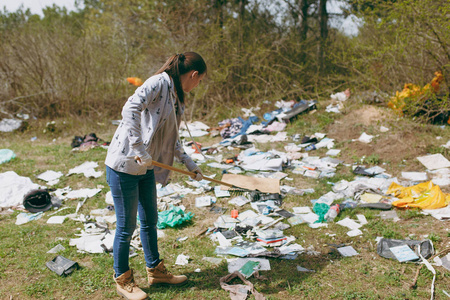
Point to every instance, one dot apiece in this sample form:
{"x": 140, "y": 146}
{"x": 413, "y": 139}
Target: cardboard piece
{"x": 265, "y": 185}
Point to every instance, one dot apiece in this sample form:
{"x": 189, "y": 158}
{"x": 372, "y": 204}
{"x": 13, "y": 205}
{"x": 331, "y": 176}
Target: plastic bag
{"x": 384, "y": 245}
{"x": 424, "y": 195}
{"x": 6, "y": 155}
{"x": 321, "y": 209}
{"x": 173, "y": 217}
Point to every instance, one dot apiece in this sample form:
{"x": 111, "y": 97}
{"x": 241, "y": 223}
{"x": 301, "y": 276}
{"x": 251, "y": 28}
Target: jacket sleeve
{"x": 184, "y": 158}
{"x": 146, "y": 97}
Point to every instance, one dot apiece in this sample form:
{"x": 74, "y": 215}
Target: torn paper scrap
{"x": 51, "y": 177}
{"x": 301, "y": 269}
{"x": 87, "y": 168}
{"x": 434, "y": 161}
{"x": 66, "y": 193}
{"x": 56, "y": 219}
{"x": 365, "y": 138}
{"x": 347, "y": 251}
{"x": 349, "y": 223}
{"x": 415, "y": 176}
{"x": 182, "y": 260}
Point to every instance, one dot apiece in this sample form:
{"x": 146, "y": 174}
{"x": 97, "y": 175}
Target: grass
{"x": 365, "y": 276}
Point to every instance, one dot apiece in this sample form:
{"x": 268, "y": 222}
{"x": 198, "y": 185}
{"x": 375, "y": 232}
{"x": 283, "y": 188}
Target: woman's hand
{"x": 198, "y": 174}
{"x": 145, "y": 160}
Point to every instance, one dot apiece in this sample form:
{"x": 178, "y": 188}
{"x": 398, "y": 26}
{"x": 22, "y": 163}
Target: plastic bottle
{"x": 332, "y": 213}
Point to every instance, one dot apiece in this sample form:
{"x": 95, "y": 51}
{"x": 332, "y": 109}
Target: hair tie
{"x": 181, "y": 56}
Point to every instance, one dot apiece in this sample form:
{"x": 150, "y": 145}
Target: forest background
{"x": 65, "y": 63}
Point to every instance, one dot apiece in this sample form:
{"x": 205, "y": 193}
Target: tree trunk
{"x": 303, "y": 6}
{"x": 323, "y": 22}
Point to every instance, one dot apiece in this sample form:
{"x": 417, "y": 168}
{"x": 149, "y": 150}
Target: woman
{"x": 148, "y": 130}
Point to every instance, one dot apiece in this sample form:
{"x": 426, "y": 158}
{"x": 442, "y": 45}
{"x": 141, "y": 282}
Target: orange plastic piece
{"x": 136, "y": 81}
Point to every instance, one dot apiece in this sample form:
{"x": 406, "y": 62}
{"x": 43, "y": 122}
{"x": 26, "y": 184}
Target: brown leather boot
{"x": 127, "y": 288}
{"x": 160, "y": 275}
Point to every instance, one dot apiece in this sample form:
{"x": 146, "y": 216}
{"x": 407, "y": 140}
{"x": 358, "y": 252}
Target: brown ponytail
{"x": 180, "y": 64}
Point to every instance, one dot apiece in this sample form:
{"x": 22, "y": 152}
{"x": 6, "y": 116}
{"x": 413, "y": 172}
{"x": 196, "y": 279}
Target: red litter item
{"x": 195, "y": 148}
{"x": 234, "y": 213}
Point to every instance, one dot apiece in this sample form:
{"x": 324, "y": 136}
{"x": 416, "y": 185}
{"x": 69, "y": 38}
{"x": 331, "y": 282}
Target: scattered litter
{"x": 347, "y": 251}
{"x": 349, "y": 223}
{"x": 56, "y": 249}
{"x": 218, "y": 210}
{"x": 182, "y": 260}
{"x": 239, "y": 201}
{"x": 302, "y": 210}
{"x": 439, "y": 213}
{"x": 37, "y": 200}
{"x": 301, "y": 269}
{"x": 67, "y": 193}
{"x": 88, "y": 169}
{"x": 341, "y": 96}
{"x": 384, "y": 247}
{"x": 389, "y": 215}
{"x": 434, "y": 161}
{"x": 56, "y": 220}
{"x": 9, "y": 125}
{"x": 213, "y": 260}
{"x": 365, "y": 138}
{"x": 6, "y": 155}
{"x": 62, "y": 266}
{"x": 415, "y": 176}
{"x": 403, "y": 253}
{"x": 424, "y": 195}
{"x": 249, "y": 268}
{"x": 236, "y": 264}
{"x": 13, "y": 188}
{"x": 204, "y": 201}
{"x": 239, "y": 291}
{"x": 51, "y": 177}
{"x": 23, "y": 217}
{"x": 333, "y": 152}
{"x": 173, "y": 217}
{"x": 221, "y": 193}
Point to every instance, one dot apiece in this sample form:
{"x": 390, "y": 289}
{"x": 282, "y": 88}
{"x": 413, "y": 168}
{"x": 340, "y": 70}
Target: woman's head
{"x": 186, "y": 69}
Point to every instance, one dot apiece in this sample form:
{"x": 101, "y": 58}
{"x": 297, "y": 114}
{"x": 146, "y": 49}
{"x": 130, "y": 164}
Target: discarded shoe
{"x": 127, "y": 288}
{"x": 160, "y": 275}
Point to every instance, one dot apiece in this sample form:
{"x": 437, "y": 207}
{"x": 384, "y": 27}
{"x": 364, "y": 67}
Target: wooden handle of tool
{"x": 191, "y": 174}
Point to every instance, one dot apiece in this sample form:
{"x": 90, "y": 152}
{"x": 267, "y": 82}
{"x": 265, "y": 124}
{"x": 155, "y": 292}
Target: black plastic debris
{"x": 62, "y": 266}
{"x": 384, "y": 245}
{"x": 218, "y": 209}
{"x": 37, "y": 200}
{"x": 300, "y": 107}
{"x": 284, "y": 213}
{"x": 362, "y": 171}
{"x": 259, "y": 196}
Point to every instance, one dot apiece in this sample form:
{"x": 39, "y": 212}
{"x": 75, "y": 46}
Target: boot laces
{"x": 165, "y": 271}
{"x": 130, "y": 285}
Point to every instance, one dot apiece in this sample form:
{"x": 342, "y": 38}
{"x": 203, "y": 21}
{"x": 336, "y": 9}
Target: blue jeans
{"x": 132, "y": 194}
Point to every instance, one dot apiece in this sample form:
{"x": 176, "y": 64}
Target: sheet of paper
{"x": 434, "y": 161}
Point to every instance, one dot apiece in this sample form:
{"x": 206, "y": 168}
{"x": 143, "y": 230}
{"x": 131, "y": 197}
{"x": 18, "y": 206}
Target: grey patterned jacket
{"x": 148, "y": 125}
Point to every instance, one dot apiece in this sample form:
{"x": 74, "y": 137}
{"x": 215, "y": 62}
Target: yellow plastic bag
{"x": 424, "y": 195}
